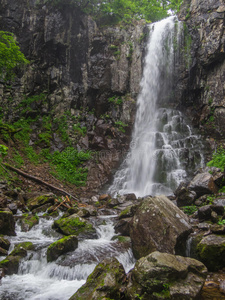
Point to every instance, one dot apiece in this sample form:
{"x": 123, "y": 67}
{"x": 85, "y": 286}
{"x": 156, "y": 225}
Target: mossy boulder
{"x": 40, "y": 200}
{"x": 166, "y": 276}
{"x": 7, "y": 224}
{"x": 75, "y": 225}
{"x": 10, "y": 264}
{"x": 4, "y": 243}
{"x": 62, "y": 246}
{"x": 3, "y": 252}
{"x": 28, "y": 221}
{"x": 158, "y": 225}
{"x": 211, "y": 251}
{"x": 105, "y": 282}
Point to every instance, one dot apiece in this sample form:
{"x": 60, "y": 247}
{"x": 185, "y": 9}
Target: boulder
{"x": 28, "y": 221}
{"x": 75, "y": 225}
{"x": 105, "y": 282}
{"x": 202, "y": 184}
{"x": 10, "y": 264}
{"x": 211, "y": 251}
{"x": 4, "y": 243}
{"x": 40, "y": 200}
{"x": 62, "y": 246}
{"x": 166, "y": 276}
{"x": 7, "y": 224}
{"x": 204, "y": 213}
{"x": 158, "y": 225}
{"x": 184, "y": 196}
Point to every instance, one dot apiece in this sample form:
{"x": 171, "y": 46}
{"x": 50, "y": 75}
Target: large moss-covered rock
{"x": 75, "y": 225}
{"x": 166, "y": 276}
{"x": 62, "y": 246}
{"x": 105, "y": 282}
{"x": 10, "y": 264}
{"x": 158, "y": 225}
{"x": 211, "y": 251}
{"x": 7, "y": 224}
{"x": 40, "y": 200}
{"x": 28, "y": 221}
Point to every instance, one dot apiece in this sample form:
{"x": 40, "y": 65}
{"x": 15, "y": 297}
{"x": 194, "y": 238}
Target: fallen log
{"x": 39, "y": 181}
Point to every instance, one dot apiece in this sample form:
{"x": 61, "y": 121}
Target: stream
{"x": 39, "y": 280}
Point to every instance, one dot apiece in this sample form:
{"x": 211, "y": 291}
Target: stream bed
{"x": 39, "y": 280}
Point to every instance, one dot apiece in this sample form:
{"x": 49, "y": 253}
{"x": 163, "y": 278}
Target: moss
{"x": 72, "y": 225}
{"x": 213, "y": 256}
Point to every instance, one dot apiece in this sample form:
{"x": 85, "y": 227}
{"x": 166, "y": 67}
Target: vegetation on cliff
{"x": 10, "y": 55}
{"x": 123, "y": 10}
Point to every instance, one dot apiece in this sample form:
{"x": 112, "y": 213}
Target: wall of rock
{"x": 203, "y": 89}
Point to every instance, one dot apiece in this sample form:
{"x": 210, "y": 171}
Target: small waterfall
{"x": 59, "y": 280}
{"x": 163, "y": 149}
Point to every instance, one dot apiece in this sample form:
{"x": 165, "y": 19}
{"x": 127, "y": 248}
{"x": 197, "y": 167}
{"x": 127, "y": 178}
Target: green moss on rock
{"x": 62, "y": 246}
{"x": 73, "y": 225}
{"x": 211, "y": 251}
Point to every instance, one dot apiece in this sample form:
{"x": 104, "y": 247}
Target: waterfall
{"x": 163, "y": 147}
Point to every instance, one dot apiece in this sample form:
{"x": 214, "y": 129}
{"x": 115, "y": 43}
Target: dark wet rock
{"x": 7, "y": 224}
{"x": 75, "y": 225}
{"x": 40, "y": 200}
{"x": 211, "y": 251}
{"x": 62, "y": 246}
{"x": 202, "y": 184}
{"x": 28, "y": 221}
{"x": 42, "y": 208}
{"x": 10, "y": 264}
{"x": 126, "y": 213}
{"x": 219, "y": 209}
{"x": 214, "y": 217}
{"x": 107, "y": 281}
{"x": 4, "y": 243}
{"x": 158, "y": 225}
{"x": 166, "y": 276}
{"x": 3, "y": 252}
{"x": 204, "y": 213}
{"x": 123, "y": 226}
{"x": 218, "y": 229}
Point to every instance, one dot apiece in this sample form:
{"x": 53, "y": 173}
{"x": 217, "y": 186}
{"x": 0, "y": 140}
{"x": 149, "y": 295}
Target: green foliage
{"x": 82, "y": 130}
{"x": 221, "y": 222}
{"x": 114, "y": 11}
{"x": 10, "y": 55}
{"x": 115, "y": 100}
{"x": 189, "y": 210}
{"x": 121, "y": 126}
{"x": 3, "y": 150}
{"x": 218, "y": 159}
{"x": 66, "y": 165}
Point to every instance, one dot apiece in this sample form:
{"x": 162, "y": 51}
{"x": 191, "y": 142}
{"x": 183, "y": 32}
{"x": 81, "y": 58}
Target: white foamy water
{"x": 163, "y": 148}
{"x": 39, "y": 280}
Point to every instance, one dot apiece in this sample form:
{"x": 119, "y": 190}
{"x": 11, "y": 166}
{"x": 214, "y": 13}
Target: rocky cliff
{"x": 203, "y": 83}
{"x": 90, "y": 73}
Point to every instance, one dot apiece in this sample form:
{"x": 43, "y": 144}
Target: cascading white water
{"x": 163, "y": 146}
{"x": 39, "y": 280}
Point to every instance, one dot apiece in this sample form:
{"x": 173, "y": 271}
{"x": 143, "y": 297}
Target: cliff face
{"x": 92, "y": 74}
{"x": 203, "y": 89}
{"x": 73, "y": 61}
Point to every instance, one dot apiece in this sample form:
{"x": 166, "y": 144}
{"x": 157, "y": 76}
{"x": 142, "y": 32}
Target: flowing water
{"x": 164, "y": 149}
{"x": 39, "y": 280}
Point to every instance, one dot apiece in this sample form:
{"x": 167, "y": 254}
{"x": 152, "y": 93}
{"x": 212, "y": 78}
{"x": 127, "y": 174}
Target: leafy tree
{"x": 10, "y": 55}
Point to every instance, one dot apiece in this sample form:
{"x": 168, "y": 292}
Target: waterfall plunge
{"x": 163, "y": 147}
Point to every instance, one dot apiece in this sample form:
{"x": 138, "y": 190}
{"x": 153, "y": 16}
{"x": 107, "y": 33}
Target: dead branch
{"x": 39, "y": 181}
